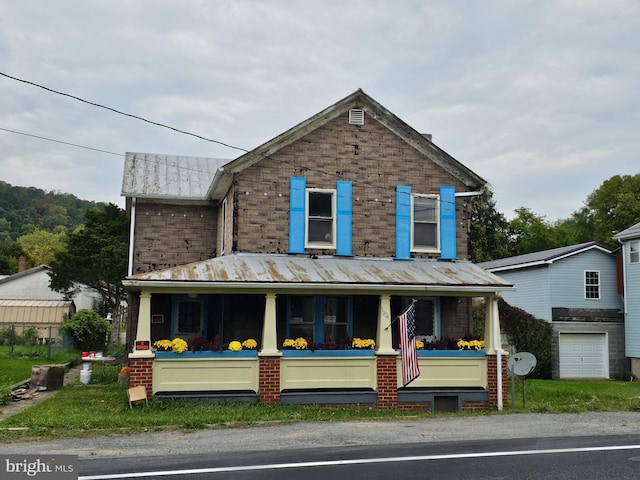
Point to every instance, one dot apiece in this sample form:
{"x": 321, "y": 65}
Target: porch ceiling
{"x": 288, "y": 271}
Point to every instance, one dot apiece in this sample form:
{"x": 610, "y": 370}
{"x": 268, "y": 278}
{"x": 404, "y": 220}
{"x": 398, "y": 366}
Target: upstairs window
{"x": 592, "y": 285}
{"x": 321, "y": 218}
{"x": 425, "y": 232}
{"x": 634, "y": 251}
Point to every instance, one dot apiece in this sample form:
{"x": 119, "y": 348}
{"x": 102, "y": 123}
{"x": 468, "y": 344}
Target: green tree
{"x": 615, "y": 205}
{"x": 529, "y": 233}
{"x": 41, "y": 247}
{"x": 87, "y": 330}
{"x": 96, "y": 255}
{"x": 488, "y": 235}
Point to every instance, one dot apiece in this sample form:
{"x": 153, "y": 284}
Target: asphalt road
{"x": 341, "y": 434}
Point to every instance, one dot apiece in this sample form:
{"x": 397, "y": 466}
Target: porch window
{"x": 319, "y": 318}
{"x": 426, "y": 315}
{"x": 189, "y": 318}
{"x": 592, "y": 285}
{"x": 424, "y": 218}
{"x": 320, "y": 218}
{"x": 634, "y": 251}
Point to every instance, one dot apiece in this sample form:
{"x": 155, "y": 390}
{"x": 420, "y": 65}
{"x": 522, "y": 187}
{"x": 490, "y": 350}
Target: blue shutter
{"x": 448, "y": 222}
{"x": 403, "y": 222}
{"x": 297, "y": 198}
{"x": 344, "y": 222}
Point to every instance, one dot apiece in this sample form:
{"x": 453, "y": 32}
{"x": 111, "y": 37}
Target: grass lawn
{"x": 16, "y": 366}
{"x": 101, "y": 408}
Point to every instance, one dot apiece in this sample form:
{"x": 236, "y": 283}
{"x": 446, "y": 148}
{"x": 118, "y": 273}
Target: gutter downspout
{"x": 498, "y": 347}
{"x": 132, "y": 228}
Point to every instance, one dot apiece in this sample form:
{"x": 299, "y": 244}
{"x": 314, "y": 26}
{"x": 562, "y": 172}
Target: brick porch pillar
{"x": 492, "y": 377}
{"x": 142, "y": 374}
{"x": 387, "y": 375}
{"x": 269, "y": 380}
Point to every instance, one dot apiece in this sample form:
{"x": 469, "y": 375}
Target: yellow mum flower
{"x": 178, "y": 345}
{"x": 163, "y": 344}
{"x": 235, "y": 346}
{"x": 249, "y": 344}
{"x": 300, "y": 344}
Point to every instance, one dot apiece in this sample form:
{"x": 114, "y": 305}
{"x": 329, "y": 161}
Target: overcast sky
{"x": 540, "y": 98}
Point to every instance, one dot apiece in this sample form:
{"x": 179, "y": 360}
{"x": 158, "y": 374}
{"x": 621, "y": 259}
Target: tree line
{"x": 611, "y": 208}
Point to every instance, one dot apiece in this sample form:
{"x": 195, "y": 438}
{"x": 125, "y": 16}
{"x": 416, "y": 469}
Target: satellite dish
{"x": 522, "y": 363}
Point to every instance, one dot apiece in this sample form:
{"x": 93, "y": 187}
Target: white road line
{"x": 357, "y": 461}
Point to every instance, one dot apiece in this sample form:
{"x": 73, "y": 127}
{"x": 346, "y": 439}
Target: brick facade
{"x": 492, "y": 377}
{"x": 170, "y": 235}
{"x": 381, "y": 162}
{"x": 387, "y": 378}
{"x": 269, "y": 380}
{"x": 141, "y": 374}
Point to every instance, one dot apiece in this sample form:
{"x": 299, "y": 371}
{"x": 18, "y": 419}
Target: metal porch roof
{"x": 281, "y": 270}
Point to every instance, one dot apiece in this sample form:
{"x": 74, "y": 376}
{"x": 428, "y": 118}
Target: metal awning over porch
{"x": 281, "y": 271}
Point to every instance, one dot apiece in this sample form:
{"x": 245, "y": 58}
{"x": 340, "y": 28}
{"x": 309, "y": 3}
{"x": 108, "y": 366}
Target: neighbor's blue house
{"x": 630, "y": 241}
{"x": 576, "y": 289}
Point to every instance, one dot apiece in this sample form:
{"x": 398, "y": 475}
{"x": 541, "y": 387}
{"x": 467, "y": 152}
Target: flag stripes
{"x": 408, "y": 351}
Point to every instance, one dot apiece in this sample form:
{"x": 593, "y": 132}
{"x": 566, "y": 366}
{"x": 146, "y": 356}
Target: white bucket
{"x": 86, "y": 365}
{"x": 85, "y": 376}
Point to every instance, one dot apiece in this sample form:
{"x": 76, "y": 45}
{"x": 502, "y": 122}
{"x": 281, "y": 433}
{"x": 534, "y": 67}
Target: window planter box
{"x": 364, "y": 352}
{"x": 207, "y": 354}
{"x": 451, "y": 353}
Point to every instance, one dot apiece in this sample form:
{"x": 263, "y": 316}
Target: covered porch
{"x": 271, "y": 298}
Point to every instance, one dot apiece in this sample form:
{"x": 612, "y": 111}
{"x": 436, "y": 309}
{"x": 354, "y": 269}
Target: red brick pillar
{"x": 141, "y": 373}
{"x": 269, "y": 380}
{"x": 387, "y": 381}
{"x": 492, "y": 377}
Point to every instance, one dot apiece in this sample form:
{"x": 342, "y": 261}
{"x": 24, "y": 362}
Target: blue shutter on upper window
{"x": 344, "y": 222}
{"x": 403, "y": 222}
{"x": 297, "y": 198}
{"x": 448, "y": 222}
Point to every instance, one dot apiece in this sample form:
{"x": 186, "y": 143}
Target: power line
{"x": 123, "y": 113}
{"x": 60, "y": 141}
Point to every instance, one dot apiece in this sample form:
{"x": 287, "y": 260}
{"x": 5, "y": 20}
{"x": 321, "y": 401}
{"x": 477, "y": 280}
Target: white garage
{"x": 583, "y": 355}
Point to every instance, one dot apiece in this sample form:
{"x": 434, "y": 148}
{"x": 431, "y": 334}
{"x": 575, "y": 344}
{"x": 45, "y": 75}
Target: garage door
{"x": 584, "y": 355}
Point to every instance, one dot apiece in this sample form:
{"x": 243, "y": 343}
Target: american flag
{"x": 408, "y": 351}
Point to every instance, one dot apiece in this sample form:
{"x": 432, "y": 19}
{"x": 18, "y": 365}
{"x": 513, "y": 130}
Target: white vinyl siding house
{"x": 575, "y": 288}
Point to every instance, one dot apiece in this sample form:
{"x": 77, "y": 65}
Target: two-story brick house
{"x": 327, "y": 231}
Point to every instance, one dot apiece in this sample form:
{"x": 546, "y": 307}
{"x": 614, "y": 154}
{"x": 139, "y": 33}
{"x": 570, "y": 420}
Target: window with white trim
{"x": 592, "y": 285}
{"x": 634, "y": 251}
{"x": 320, "y": 218}
{"x": 425, "y": 231}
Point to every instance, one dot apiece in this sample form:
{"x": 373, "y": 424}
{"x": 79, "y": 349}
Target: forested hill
{"x": 25, "y": 209}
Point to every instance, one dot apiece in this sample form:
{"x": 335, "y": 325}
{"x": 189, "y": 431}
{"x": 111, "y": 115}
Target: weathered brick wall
{"x": 370, "y": 156}
{"x": 170, "y": 235}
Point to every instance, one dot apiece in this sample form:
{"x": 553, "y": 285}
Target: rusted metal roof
{"x": 148, "y": 175}
{"x": 282, "y": 271}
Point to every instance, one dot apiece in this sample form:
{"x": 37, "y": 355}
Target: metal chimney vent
{"x": 356, "y": 116}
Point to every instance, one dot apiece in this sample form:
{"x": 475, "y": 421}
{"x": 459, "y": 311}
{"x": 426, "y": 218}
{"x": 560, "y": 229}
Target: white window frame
{"x": 634, "y": 251}
{"x": 588, "y": 285}
{"x": 422, "y": 248}
{"x": 307, "y": 218}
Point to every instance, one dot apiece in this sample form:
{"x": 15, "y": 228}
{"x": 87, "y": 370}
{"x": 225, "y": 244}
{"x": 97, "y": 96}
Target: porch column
{"x": 269, "y": 355}
{"x": 269, "y": 333}
{"x": 384, "y": 338}
{"x": 143, "y": 332}
{"x": 491, "y": 323}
